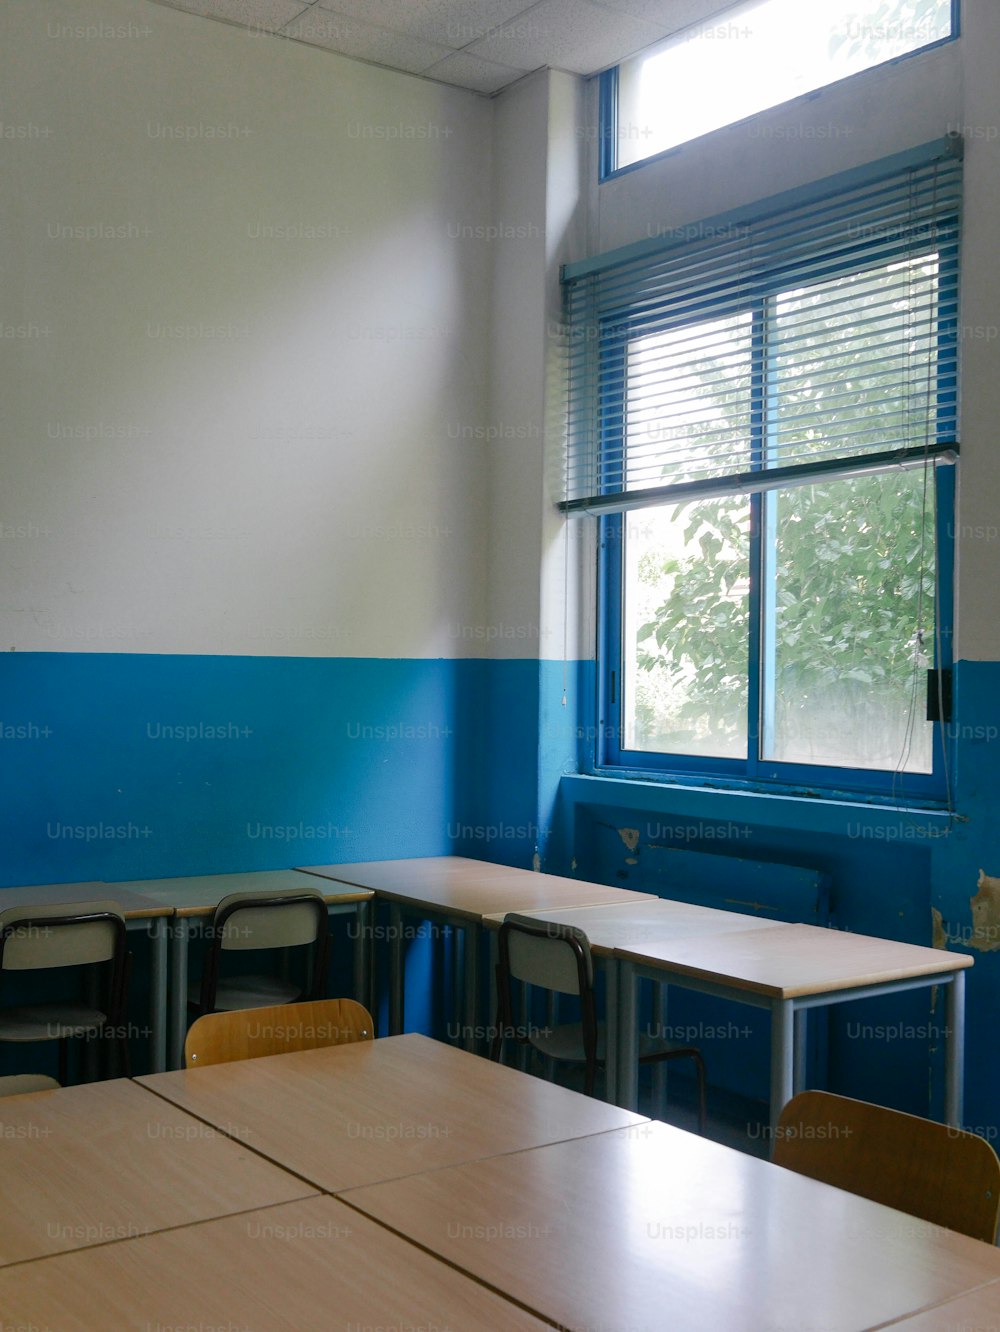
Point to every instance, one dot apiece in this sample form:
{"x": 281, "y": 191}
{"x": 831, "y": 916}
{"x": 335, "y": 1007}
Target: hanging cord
{"x": 565, "y": 653}
{"x": 907, "y": 391}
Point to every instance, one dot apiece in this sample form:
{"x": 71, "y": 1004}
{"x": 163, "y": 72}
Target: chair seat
{"x": 565, "y": 1042}
{"x": 249, "y": 992}
{"x": 49, "y": 1022}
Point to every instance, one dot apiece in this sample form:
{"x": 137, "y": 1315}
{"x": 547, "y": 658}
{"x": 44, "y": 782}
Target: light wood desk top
{"x": 134, "y": 904}
{"x": 103, "y": 1161}
{"x": 978, "y": 1311}
{"x": 635, "y": 923}
{"x": 297, "y": 1268}
{"x": 470, "y": 889}
{"x": 355, "y": 1114}
{"x": 414, "y": 872}
{"x": 786, "y": 961}
{"x": 200, "y": 895}
{"x": 653, "y": 1228}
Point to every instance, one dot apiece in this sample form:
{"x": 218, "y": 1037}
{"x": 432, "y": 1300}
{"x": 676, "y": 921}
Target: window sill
{"x": 837, "y": 815}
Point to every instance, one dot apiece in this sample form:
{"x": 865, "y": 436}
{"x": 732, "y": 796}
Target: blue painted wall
{"x": 317, "y": 760}
{"x": 129, "y": 766}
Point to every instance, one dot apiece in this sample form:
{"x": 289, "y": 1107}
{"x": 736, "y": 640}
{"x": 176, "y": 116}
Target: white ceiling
{"x": 482, "y": 45}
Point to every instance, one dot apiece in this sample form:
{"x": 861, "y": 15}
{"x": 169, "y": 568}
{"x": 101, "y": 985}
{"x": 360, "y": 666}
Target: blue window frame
{"x": 738, "y": 426}
{"x": 634, "y": 129}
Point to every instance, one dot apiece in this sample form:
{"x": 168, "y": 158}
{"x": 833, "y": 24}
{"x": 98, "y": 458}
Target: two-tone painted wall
{"x": 280, "y": 576}
{"x": 245, "y": 359}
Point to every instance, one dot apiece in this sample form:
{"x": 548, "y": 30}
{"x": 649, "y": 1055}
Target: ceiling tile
{"x": 453, "y": 23}
{"x": 574, "y": 35}
{"x": 473, "y": 72}
{"x": 364, "y": 41}
{"x": 269, "y": 15}
{"x": 668, "y": 15}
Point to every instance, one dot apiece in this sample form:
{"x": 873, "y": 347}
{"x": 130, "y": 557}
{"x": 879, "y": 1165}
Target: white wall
{"x": 978, "y": 511}
{"x": 517, "y": 398}
{"x": 540, "y": 192}
{"x": 568, "y": 550}
{"x": 216, "y": 438}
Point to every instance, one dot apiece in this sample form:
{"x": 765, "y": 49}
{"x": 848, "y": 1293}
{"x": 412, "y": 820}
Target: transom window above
{"x": 753, "y": 56}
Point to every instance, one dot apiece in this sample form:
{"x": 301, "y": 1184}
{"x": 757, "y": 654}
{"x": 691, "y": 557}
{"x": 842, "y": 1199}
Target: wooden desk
{"x": 654, "y": 1228}
{"x": 466, "y": 890}
{"x": 461, "y": 891}
{"x": 789, "y": 969}
{"x": 356, "y": 1114}
{"x": 625, "y": 924}
{"x": 104, "y": 1161}
{"x": 141, "y": 913}
{"x": 192, "y": 899}
{"x": 308, "y": 1265}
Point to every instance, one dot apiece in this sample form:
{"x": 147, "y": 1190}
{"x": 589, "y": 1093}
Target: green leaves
{"x": 849, "y": 600}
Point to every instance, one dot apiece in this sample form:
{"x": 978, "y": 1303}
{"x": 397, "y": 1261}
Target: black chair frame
{"x": 505, "y": 1006}
{"x": 210, "y": 974}
{"x": 119, "y": 965}
{"x": 588, "y": 1014}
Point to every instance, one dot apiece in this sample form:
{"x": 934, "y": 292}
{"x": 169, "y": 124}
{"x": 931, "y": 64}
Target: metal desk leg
{"x": 782, "y": 1057}
{"x": 523, "y": 1021}
{"x": 491, "y": 1003}
{"x": 660, "y": 1068}
{"x": 91, "y": 1067}
{"x": 551, "y": 1022}
{"x": 362, "y": 954}
{"x": 799, "y": 1058}
{"x": 955, "y": 1058}
{"x": 449, "y": 951}
{"x": 471, "y": 943}
{"x": 397, "y": 972}
{"x": 178, "y": 991}
{"x": 611, "y": 999}
{"x": 158, "y": 930}
{"x": 628, "y": 1038}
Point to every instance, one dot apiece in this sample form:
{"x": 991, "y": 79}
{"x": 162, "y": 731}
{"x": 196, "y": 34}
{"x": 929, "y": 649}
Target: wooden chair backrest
{"x": 249, "y": 1033}
{"x": 945, "y": 1175}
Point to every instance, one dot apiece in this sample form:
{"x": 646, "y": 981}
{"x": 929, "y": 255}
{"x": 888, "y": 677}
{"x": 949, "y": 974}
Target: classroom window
{"x": 759, "y": 422}
{"x": 753, "y": 56}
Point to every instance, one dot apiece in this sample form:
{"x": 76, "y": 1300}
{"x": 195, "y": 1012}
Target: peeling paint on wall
{"x": 985, "y": 906}
{"x": 940, "y": 935}
{"x": 630, "y": 836}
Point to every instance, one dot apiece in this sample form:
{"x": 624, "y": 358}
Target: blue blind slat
{"x": 662, "y": 343}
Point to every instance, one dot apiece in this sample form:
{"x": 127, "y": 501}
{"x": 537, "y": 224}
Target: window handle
{"x": 939, "y": 695}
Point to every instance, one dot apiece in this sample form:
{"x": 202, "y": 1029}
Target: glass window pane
{"x": 685, "y": 626}
{"x": 848, "y": 607}
{"x": 758, "y": 55}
